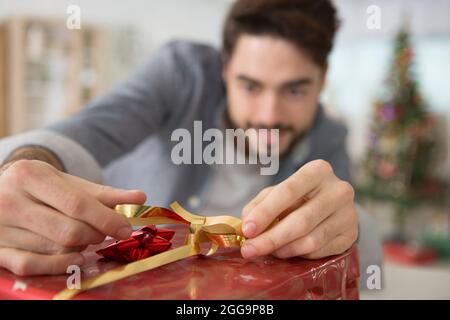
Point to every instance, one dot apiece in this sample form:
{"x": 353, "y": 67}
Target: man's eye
{"x": 296, "y": 91}
{"x": 250, "y": 87}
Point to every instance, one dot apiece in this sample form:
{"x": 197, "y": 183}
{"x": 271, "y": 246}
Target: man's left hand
{"x": 316, "y": 212}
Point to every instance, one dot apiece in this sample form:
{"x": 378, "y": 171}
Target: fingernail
{"x": 124, "y": 232}
{"x": 248, "y": 250}
{"x": 135, "y": 191}
{"x": 249, "y": 229}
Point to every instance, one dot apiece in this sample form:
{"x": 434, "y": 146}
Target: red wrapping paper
{"x": 224, "y": 275}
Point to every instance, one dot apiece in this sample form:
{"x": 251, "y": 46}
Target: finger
{"x": 306, "y": 180}
{"x": 74, "y": 202}
{"x": 294, "y": 226}
{"x": 338, "y": 245}
{"x": 298, "y": 223}
{"x": 22, "y": 239}
{"x": 259, "y": 197}
{"x": 341, "y": 222}
{"x": 107, "y": 195}
{"x": 50, "y": 224}
{"x": 25, "y": 263}
{"x": 297, "y": 204}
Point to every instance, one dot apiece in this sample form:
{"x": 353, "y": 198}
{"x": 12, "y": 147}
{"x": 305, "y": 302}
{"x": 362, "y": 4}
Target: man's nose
{"x": 269, "y": 110}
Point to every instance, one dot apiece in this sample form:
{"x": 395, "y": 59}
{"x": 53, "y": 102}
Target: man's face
{"x": 271, "y": 83}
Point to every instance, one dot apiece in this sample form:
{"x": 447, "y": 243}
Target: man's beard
{"x": 286, "y": 129}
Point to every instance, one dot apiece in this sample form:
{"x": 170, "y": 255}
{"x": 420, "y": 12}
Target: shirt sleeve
{"x": 338, "y": 156}
{"x": 117, "y": 122}
{"x": 75, "y": 158}
{"x": 114, "y": 124}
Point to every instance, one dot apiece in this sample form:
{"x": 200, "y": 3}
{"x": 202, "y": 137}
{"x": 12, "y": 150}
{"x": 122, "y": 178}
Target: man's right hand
{"x": 47, "y": 217}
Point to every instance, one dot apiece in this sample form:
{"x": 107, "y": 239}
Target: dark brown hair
{"x": 309, "y": 24}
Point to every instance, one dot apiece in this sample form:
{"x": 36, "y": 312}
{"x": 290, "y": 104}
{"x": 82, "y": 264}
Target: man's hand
{"x": 47, "y": 217}
{"x": 317, "y": 216}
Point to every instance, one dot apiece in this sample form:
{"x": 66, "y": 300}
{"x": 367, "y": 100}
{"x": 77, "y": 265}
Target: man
{"x": 269, "y": 75}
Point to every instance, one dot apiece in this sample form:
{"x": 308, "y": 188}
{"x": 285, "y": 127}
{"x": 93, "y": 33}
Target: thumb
{"x": 107, "y": 195}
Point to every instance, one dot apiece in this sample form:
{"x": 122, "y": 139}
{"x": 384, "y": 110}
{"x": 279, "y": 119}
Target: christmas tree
{"x": 402, "y": 144}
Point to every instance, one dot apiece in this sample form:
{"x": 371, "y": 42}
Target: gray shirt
{"x": 123, "y": 138}
{"x": 232, "y": 187}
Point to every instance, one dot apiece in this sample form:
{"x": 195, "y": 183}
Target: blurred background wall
{"x": 359, "y": 61}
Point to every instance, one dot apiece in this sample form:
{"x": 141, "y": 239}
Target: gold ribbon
{"x": 220, "y": 231}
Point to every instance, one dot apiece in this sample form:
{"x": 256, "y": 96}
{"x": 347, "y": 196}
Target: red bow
{"x": 142, "y": 244}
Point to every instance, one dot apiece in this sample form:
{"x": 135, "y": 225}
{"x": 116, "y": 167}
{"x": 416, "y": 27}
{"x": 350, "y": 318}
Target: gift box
{"x": 224, "y": 275}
